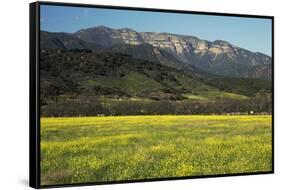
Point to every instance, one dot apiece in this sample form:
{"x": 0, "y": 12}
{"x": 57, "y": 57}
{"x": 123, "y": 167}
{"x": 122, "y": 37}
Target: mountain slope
{"x": 148, "y": 52}
{"x": 62, "y": 40}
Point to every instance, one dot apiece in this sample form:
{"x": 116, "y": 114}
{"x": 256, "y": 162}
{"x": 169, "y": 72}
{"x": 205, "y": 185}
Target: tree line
{"x": 260, "y": 104}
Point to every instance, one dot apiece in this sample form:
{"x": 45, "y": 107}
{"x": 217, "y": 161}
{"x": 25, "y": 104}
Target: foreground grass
{"x": 98, "y": 149}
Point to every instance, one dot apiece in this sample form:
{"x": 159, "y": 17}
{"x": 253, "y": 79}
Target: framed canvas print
{"x": 122, "y": 94}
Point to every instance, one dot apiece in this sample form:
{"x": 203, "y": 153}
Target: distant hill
{"x": 178, "y": 51}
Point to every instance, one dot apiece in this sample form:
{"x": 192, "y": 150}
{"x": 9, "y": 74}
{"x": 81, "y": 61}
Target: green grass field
{"x": 99, "y": 149}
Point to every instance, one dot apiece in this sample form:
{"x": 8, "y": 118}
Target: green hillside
{"x": 114, "y": 83}
{"x": 245, "y": 86}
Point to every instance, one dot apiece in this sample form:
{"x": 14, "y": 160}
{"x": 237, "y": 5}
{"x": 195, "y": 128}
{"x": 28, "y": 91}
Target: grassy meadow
{"x": 100, "y": 149}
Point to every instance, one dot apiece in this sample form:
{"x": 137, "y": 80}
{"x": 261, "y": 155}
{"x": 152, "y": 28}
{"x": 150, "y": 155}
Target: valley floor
{"x": 101, "y": 149}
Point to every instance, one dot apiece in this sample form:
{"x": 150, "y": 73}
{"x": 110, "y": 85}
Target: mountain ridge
{"x": 218, "y": 57}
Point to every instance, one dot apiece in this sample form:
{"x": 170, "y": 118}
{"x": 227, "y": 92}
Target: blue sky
{"x": 253, "y": 34}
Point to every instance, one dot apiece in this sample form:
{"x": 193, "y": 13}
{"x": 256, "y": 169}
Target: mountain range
{"x": 188, "y": 53}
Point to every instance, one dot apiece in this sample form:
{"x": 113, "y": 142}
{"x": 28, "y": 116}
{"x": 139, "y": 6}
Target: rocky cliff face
{"x": 217, "y": 57}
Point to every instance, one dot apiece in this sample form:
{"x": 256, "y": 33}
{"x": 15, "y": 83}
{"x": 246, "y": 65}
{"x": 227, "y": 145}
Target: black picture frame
{"x": 34, "y": 91}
